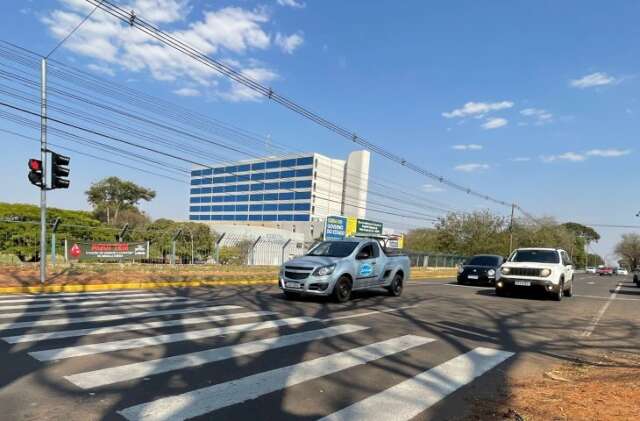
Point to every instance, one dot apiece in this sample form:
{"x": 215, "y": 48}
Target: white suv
{"x": 537, "y": 268}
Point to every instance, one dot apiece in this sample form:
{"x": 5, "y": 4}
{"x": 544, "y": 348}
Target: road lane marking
{"x": 607, "y": 298}
{"x": 594, "y": 322}
{"x": 72, "y": 300}
{"x": 208, "y": 399}
{"x": 143, "y": 369}
{"x": 127, "y": 327}
{"x": 99, "y": 348}
{"x": 121, "y": 306}
{"x": 368, "y": 313}
{"x": 111, "y": 317}
{"x": 408, "y": 399}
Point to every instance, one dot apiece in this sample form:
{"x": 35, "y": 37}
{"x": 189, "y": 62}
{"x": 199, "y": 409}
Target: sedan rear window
{"x": 536, "y": 256}
{"x": 483, "y": 261}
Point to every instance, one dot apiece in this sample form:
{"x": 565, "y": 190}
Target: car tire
{"x": 557, "y": 296}
{"x": 569, "y": 292}
{"x": 291, "y": 295}
{"x": 395, "y": 289}
{"x": 342, "y": 289}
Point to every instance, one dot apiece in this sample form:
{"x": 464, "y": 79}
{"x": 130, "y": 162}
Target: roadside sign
{"x": 335, "y": 228}
{"x": 107, "y": 251}
{"x": 366, "y": 227}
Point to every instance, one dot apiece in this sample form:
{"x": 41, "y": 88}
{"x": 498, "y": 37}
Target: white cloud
{"x": 288, "y": 44}
{"x": 105, "y": 70}
{"x": 291, "y": 3}
{"x": 471, "y": 167}
{"x": 477, "y": 109}
{"x": 430, "y": 188}
{"x": 494, "y": 123}
{"x": 608, "y": 153}
{"x": 567, "y": 156}
{"x": 539, "y": 116}
{"x": 187, "y": 92}
{"x": 230, "y": 33}
{"x": 594, "y": 79}
{"x": 521, "y": 159}
{"x": 469, "y": 147}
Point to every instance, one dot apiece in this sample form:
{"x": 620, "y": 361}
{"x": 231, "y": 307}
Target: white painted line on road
{"x": 208, "y": 399}
{"x": 470, "y": 286}
{"x": 73, "y": 300}
{"x": 368, "y": 313}
{"x": 121, "y": 316}
{"x": 147, "y": 302}
{"x": 607, "y": 298}
{"x": 133, "y": 326}
{"x": 83, "y": 303}
{"x": 72, "y": 294}
{"x": 99, "y": 348}
{"x": 594, "y": 322}
{"x": 408, "y": 399}
{"x": 143, "y": 369}
{"x": 591, "y": 283}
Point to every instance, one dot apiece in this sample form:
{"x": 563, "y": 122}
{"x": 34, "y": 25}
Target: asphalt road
{"x": 235, "y": 353}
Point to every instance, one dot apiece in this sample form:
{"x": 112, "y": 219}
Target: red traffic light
{"x": 35, "y": 165}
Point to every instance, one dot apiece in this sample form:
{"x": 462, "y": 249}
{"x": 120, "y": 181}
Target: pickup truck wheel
{"x": 395, "y": 289}
{"x": 342, "y": 290}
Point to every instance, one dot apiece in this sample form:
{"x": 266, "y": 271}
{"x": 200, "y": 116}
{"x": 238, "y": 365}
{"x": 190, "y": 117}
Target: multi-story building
{"x": 275, "y": 190}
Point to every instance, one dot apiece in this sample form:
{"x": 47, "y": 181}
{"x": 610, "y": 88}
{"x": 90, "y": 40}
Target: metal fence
{"x": 261, "y": 250}
{"x": 435, "y": 259}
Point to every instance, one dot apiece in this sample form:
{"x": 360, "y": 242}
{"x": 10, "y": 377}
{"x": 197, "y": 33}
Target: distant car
{"x": 483, "y": 268}
{"x": 605, "y": 271}
{"x": 622, "y": 271}
{"x": 591, "y": 270}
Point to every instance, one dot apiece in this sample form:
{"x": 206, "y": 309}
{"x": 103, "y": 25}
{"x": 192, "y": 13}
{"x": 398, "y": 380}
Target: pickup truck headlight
{"x": 324, "y": 270}
{"x": 505, "y": 271}
{"x": 491, "y": 272}
{"x": 545, "y": 272}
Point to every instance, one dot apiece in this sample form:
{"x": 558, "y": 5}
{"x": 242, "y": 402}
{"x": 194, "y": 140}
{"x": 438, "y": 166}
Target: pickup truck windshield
{"x": 333, "y": 249}
{"x": 536, "y": 256}
{"x": 483, "y": 261}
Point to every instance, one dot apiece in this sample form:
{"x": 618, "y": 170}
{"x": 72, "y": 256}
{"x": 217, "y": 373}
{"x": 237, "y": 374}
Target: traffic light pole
{"x": 43, "y": 157}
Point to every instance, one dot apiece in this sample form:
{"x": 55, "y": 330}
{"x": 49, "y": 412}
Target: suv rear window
{"x": 483, "y": 261}
{"x": 536, "y": 256}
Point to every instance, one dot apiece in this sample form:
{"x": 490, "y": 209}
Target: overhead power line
{"x": 73, "y": 31}
{"x": 238, "y": 77}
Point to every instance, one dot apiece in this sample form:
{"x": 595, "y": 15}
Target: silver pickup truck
{"x": 336, "y": 268}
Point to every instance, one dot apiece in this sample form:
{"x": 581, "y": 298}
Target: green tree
{"x": 110, "y": 196}
{"x": 629, "y": 249}
{"x": 421, "y": 240}
{"x": 472, "y": 233}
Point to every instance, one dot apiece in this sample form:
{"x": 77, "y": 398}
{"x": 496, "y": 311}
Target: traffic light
{"x": 35, "y": 175}
{"x": 59, "y": 171}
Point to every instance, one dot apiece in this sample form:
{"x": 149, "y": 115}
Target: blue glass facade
{"x": 275, "y": 189}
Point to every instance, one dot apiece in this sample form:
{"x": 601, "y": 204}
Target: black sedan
{"x": 484, "y": 268}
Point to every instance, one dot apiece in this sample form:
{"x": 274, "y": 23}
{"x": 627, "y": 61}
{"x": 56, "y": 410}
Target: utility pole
{"x": 43, "y": 158}
{"x": 513, "y": 209}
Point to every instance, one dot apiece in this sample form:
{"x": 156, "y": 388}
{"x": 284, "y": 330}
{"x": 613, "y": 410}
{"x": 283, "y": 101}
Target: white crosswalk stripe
{"x": 202, "y": 401}
{"x": 72, "y": 294}
{"x": 133, "y": 326}
{"x": 117, "y": 306}
{"x": 139, "y": 370}
{"x": 98, "y": 348}
{"x": 120, "y": 316}
{"x": 86, "y": 303}
{"x": 60, "y": 300}
{"x": 411, "y": 397}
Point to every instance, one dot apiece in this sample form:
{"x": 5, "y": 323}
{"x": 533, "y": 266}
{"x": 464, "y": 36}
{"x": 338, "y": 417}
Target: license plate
{"x": 292, "y": 285}
{"x": 523, "y": 283}
{"x": 472, "y": 276}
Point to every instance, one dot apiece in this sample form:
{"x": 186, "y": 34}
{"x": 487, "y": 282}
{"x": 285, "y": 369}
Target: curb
{"x": 148, "y": 285}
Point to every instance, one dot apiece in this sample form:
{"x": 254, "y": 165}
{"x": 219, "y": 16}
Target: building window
{"x": 193, "y": 217}
{"x": 286, "y": 196}
{"x": 257, "y": 166}
{"x": 285, "y": 206}
{"x": 255, "y": 208}
{"x": 229, "y": 208}
{"x": 257, "y": 187}
{"x": 304, "y": 172}
{"x": 271, "y": 196}
{"x": 242, "y": 198}
{"x": 270, "y": 207}
{"x": 218, "y": 189}
{"x": 273, "y": 164}
{"x": 205, "y": 190}
{"x": 217, "y": 199}
{"x": 228, "y": 217}
{"x": 256, "y": 197}
{"x": 230, "y": 179}
{"x": 305, "y": 161}
{"x": 241, "y": 217}
{"x": 288, "y": 163}
{"x": 194, "y": 200}
{"x": 229, "y": 198}
{"x": 242, "y": 208}
{"x": 288, "y": 174}
{"x": 285, "y": 217}
{"x": 255, "y": 217}
{"x": 287, "y": 185}
{"x": 230, "y": 170}
{"x": 273, "y": 175}
{"x": 301, "y": 218}
{"x": 216, "y": 217}
{"x": 208, "y": 171}
{"x": 219, "y": 170}
{"x": 302, "y": 195}
{"x": 257, "y": 176}
{"x": 269, "y": 217}
{"x": 302, "y": 206}
{"x": 194, "y": 209}
{"x": 313, "y": 209}
{"x": 230, "y": 188}
{"x": 303, "y": 184}
{"x": 206, "y": 199}
{"x": 242, "y": 168}
{"x": 195, "y": 191}
{"x": 196, "y": 181}
{"x": 196, "y": 173}
{"x": 243, "y": 187}
{"x": 271, "y": 186}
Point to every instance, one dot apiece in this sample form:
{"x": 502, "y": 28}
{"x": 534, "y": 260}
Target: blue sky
{"x": 536, "y": 102}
